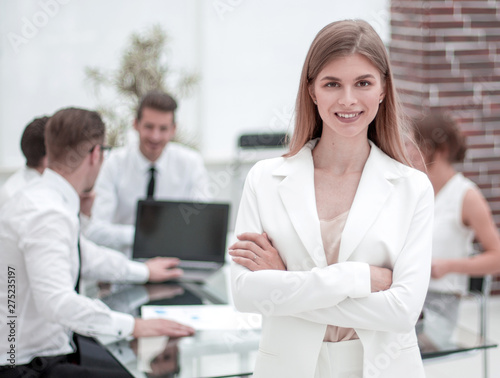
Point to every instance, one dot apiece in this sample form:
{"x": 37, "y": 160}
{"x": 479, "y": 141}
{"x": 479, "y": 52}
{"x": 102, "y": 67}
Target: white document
{"x": 205, "y": 317}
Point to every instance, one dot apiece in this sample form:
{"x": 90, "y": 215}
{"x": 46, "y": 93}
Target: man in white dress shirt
{"x": 42, "y": 256}
{"x": 179, "y": 173}
{"x": 33, "y": 148}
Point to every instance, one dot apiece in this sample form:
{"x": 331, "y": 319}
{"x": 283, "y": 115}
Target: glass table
{"x": 232, "y": 352}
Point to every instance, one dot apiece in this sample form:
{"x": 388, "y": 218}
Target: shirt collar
{"x": 144, "y": 164}
{"x": 32, "y": 171}
{"x": 63, "y": 187}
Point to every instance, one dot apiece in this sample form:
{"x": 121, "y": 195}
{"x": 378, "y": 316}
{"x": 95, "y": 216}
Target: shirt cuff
{"x": 361, "y": 279}
{"x": 137, "y": 272}
{"x": 123, "y": 324}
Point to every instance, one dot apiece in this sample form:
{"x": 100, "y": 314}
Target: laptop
{"x": 194, "y": 232}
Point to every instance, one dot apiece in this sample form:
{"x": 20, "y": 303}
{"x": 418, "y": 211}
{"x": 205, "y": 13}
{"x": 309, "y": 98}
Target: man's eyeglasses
{"x": 104, "y": 149}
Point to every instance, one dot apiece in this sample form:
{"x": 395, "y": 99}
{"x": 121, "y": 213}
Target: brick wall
{"x": 446, "y": 54}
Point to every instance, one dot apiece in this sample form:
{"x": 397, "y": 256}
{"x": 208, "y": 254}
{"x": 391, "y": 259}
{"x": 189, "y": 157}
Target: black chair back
{"x": 263, "y": 140}
{"x": 476, "y": 284}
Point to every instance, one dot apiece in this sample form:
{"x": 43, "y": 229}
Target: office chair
{"x": 263, "y": 140}
{"x": 257, "y": 146}
{"x": 479, "y": 289}
{"x": 251, "y": 148}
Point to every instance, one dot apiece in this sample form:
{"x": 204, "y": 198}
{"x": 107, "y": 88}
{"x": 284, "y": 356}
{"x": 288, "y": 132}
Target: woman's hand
{"x": 380, "y": 278}
{"x": 256, "y": 252}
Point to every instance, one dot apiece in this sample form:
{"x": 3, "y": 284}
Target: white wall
{"x": 46, "y": 71}
{"x": 248, "y": 53}
{"x": 253, "y": 56}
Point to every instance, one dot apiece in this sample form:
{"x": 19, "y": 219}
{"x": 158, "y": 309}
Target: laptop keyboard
{"x": 198, "y": 264}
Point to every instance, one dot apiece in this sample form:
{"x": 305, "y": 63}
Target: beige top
{"x": 331, "y": 233}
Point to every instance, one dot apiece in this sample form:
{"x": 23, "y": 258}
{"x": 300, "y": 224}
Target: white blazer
{"x": 389, "y": 225}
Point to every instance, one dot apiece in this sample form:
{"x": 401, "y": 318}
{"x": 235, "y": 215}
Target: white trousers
{"x": 340, "y": 360}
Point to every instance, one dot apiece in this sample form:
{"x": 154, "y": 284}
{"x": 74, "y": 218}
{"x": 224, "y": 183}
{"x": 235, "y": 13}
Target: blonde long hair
{"x": 339, "y": 39}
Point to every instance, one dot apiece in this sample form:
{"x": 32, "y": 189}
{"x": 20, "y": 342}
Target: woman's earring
{"x": 381, "y": 100}
{"x": 315, "y": 102}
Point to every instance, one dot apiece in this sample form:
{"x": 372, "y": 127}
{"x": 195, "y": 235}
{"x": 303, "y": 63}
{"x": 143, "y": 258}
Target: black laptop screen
{"x": 187, "y": 230}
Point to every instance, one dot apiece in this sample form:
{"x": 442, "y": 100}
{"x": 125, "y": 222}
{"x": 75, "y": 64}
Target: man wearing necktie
{"x": 154, "y": 168}
{"x": 41, "y": 247}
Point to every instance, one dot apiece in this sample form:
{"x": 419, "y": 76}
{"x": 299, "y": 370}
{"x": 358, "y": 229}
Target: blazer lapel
{"x": 298, "y": 196}
{"x": 373, "y": 190}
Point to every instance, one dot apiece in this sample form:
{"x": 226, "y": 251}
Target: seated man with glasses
{"x": 104, "y": 149}
{"x": 42, "y": 257}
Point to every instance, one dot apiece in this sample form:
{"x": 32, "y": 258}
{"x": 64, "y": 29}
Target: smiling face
{"x": 347, "y": 92}
{"x": 156, "y": 128}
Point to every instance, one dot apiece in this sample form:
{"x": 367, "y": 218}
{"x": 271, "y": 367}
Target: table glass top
{"x": 232, "y": 352}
